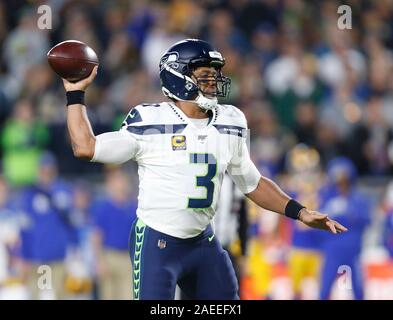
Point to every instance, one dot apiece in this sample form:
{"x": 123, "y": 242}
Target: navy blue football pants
{"x": 199, "y": 265}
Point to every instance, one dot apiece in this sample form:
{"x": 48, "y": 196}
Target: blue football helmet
{"x": 177, "y": 77}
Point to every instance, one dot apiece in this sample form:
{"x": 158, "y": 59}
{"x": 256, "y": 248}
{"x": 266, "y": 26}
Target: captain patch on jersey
{"x": 179, "y": 143}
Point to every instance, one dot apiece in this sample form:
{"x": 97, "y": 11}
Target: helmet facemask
{"x": 210, "y": 86}
{"x": 221, "y": 85}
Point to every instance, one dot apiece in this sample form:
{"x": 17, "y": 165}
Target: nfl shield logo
{"x": 161, "y": 244}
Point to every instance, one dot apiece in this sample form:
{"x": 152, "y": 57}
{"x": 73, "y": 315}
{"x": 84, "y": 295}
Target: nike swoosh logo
{"x": 211, "y": 238}
{"x": 132, "y": 115}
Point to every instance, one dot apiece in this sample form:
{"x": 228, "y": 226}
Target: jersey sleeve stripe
{"x": 157, "y": 129}
{"x": 233, "y": 130}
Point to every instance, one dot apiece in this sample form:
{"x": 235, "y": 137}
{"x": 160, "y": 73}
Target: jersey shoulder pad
{"x": 231, "y": 115}
{"x": 144, "y": 114}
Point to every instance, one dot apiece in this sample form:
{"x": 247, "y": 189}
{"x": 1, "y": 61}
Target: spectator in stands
{"x": 113, "y": 215}
{"x": 9, "y": 232}
{"x": 23, "y": 138}
{"x": 47, "y": 229}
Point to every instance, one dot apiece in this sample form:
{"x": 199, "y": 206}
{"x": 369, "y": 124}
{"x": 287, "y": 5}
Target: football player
{"x": 343, "y": 199}
{"x": 305, "y": 182}
{"x": 183, "y": 147}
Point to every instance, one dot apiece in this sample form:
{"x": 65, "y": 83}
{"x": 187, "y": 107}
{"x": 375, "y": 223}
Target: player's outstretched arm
{"x": 270, "y": 196}
{"x": 79, "y": 127}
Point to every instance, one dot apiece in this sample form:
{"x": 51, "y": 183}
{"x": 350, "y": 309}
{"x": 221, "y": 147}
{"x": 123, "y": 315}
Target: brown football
{"x": 72, "y": 60}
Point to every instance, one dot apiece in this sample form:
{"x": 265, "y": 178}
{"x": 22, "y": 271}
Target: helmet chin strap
{"x": 205, "y": 103}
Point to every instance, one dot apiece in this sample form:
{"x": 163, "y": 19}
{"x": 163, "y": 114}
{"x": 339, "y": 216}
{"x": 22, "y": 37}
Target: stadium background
{"x": 296, "y": 76}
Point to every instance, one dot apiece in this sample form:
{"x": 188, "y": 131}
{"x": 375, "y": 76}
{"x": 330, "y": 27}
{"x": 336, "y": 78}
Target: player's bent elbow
{"x": 83, "y": 153}
{"x": 83, "y": 156}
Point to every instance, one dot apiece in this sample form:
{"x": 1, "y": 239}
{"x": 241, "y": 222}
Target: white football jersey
{"x": 181, "y": 165}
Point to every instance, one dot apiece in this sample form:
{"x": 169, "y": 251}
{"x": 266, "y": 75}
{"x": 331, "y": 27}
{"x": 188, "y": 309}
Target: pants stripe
{"x": 140, "y": 228}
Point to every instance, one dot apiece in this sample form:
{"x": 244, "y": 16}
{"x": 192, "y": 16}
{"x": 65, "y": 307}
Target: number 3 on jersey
{"x": 204, "y": 181}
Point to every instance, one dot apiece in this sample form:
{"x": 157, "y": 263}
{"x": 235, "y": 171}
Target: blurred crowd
{"x": 319, "y": 104}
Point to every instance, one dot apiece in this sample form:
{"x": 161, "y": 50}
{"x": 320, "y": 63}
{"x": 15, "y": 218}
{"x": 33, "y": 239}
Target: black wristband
{"x": 292, "y": 210}
{"x": 75, "y": 97}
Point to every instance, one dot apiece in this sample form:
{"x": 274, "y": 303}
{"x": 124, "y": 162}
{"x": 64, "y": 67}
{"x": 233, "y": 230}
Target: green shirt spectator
{"x": 23, "y": 138}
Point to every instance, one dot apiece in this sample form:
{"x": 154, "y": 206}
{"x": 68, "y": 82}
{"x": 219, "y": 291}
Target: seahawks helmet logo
{"x": 169, "y": 59}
